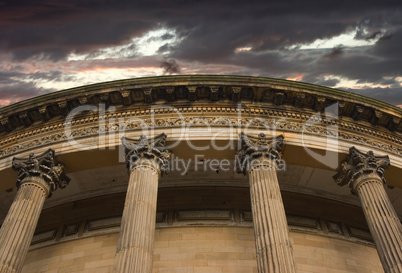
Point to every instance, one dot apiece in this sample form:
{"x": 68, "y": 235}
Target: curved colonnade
{"x": 288, "y": 138}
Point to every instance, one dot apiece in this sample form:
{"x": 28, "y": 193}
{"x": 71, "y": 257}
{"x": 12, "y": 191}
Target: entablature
{"x": 184, "y": 117}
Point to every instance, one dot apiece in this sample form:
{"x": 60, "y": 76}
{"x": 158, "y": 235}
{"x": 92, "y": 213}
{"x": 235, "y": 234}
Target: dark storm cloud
{"x": 369, "y": 64}
{"x": 389, "y": 95}
{"x": 170, "y": 66}
{"x": 146, "y": 61}
{"x": 16, "y": 86}
{"x": 273, "y": 26}
{"x": 272, "y": 30}
{"x": 21, "y": 91}
{"x": 212, "y": 32}
{"x": 335, "y": 53}
{"x": 11, "y": 77}
{"x": 325, "y": 82}
{"x": 52, "y": 29}
{"x": 389, "y": 48}
{"x": 167, "y": 36}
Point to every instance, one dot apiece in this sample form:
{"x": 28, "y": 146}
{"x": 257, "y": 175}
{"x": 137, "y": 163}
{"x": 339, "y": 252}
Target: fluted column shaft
{"x": 259, "y": 157}
{"x": 136, "y": 241}
{"x": 364, "y": 173}
{"x": 273, "y": 247}
{"x": 38, "y": 177}
{"x": 20, "y": 223}
{"x": 146, "y": 159}
{"x": 382, "y": 220}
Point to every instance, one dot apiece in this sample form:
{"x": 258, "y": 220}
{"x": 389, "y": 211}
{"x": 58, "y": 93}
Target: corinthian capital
{"x": 359, "y": 165}
{"x": 43, "y": 166}
{"x": 144, "y": 148}
{"x": 258, "y": 148}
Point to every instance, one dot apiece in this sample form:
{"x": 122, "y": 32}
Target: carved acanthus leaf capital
{"x": 144, "y": 148}
{"x": 258, "y": 148}
{"x": 360, "y": 164}
{"x": 43, "y": 166}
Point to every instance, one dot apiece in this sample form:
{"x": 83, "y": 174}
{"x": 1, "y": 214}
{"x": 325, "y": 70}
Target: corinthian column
{"x": 364, "y": 173}
{"x": 259, "y": 158}
{"x": 38, "y": 177}
{"x": 146, "y": 160}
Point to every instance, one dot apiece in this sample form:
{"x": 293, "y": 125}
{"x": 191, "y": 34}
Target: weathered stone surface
{"x": 43, "y": 166}
{"x": 360, "y": 165}
{"x": 364, "y": 173}
{"x": 38, "y": 176}
{"x": 146, "y": 159}
{"x": 144, "y": 148}
{"x": 255, "y": 150}
{"x": 258, "y": 157}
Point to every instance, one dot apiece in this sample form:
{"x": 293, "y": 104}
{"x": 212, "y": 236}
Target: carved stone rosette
{"x": 146, "y": 159}
{"x": 364, "y": 173}
{"x": 38, "y": 176}
{"x": 258, "y": 157}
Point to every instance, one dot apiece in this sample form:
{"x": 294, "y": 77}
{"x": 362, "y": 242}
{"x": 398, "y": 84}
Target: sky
{"x": 353, "y": 45}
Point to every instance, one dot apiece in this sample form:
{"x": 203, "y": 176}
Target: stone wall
{"x": 87, "y": 255}
{"x": 317, "y": 254}
{"x": 205, "y": 249}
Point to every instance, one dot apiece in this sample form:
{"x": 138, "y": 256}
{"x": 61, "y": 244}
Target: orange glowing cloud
{"x": 296, "y": 78}
{"x": 4, "y": 103}
{"x": 240, "y": 49}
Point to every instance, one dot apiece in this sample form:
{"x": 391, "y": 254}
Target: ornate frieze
{"x": 280, "y": 120}
{"x": 43, "y": 166}
{"x": 359, "y": 164}
{"x": 258, "y": 148}
{"x": 147, "y": 148}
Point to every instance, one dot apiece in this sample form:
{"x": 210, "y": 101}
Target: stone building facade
{"x": 200, "y": 173}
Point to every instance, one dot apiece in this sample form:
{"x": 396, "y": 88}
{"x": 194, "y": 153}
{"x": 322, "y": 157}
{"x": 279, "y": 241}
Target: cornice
{"x": 208, "y": 89}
